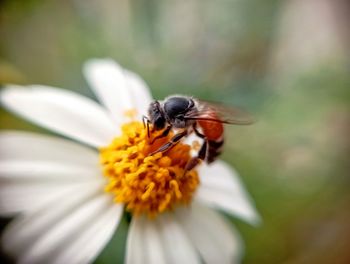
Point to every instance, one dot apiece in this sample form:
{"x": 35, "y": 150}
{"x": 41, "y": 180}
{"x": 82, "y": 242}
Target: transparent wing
{"x": 215, "y": 112}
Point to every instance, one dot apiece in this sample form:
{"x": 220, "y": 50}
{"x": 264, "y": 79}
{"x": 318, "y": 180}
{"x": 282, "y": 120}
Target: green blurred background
{"x": 286, "y": 61}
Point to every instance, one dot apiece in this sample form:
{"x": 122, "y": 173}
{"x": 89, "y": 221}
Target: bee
{"x": 188, "y": 115}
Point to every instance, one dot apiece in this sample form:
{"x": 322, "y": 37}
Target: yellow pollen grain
{"x": 147, "y": 184}
{"x": 196, "y": 145}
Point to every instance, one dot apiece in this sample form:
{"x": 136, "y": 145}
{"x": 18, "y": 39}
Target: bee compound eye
{"x": 159, "y": 123}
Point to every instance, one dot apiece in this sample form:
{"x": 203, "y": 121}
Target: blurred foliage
{"x": 294, "y": 161}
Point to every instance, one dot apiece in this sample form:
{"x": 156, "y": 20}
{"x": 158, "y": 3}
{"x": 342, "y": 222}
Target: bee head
{"x": 156, "y": 116}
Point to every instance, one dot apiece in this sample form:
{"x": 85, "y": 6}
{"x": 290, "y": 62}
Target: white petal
{"x": 86, "y": 247}
{"x": 36, "y": 168}
{"x": 62, "y": 111}
{"x": 159, "y": 241}
{"x": 118, "y": 89}
{"x": 144, "y": 244}
{"x": 42, "y": 171}
{"x": 177, "y": 245}
{"x": 24, "y": 146}
{"x": 220, "y": 187}
{"x": 25, "y": 196}
{"x": 55, "y": 240}
{"x": 213, "y": 237}
{"x": 140, "y": 93}
{"x": 25, "y": 229}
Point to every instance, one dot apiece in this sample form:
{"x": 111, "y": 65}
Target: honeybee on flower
{"x": 191, "y": 115}
{"x": 68, "y": 195}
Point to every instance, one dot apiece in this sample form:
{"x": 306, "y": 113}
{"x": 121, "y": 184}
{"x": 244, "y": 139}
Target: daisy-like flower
{"x": 68, "y": 196}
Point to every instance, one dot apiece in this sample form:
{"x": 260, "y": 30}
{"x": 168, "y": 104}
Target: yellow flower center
{"x": 147, "y": 184}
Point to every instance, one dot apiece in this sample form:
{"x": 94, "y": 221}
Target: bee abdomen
{"x": 214, "y": 149}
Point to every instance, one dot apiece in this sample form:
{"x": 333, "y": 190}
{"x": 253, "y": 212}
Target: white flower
{"x": 56, "y": 189}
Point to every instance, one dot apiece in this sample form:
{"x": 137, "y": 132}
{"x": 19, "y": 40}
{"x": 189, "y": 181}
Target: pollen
{"x": 147, "y": 184}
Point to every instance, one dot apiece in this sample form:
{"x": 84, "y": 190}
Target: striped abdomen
{"x": 214, "y": 133}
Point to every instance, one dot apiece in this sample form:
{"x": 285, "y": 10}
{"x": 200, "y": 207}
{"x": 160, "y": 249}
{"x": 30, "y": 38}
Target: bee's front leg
{"x": 173, "y": 141}
{"x": 164, "y": 134}
{"x": 146, "y": 122}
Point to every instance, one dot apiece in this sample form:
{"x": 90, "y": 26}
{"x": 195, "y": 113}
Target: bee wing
{"x": 215, "y": 112}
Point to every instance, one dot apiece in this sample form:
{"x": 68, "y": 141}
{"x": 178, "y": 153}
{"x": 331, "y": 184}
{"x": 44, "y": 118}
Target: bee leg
{"x": 146, "y": 122}
{"x": 196, "y": 160}
{"x": 173, "y": 141}
{"x": 202, "y": 154}
{"x": 199, "y": 134}
{"x": 164, "y": 134}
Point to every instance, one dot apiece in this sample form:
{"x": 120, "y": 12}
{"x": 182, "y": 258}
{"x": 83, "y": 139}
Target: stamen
{"x": 147, "y": 184}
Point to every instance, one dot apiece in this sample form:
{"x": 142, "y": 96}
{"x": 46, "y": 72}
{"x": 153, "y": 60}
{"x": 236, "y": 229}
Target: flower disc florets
{"x": 145, "y": 183}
